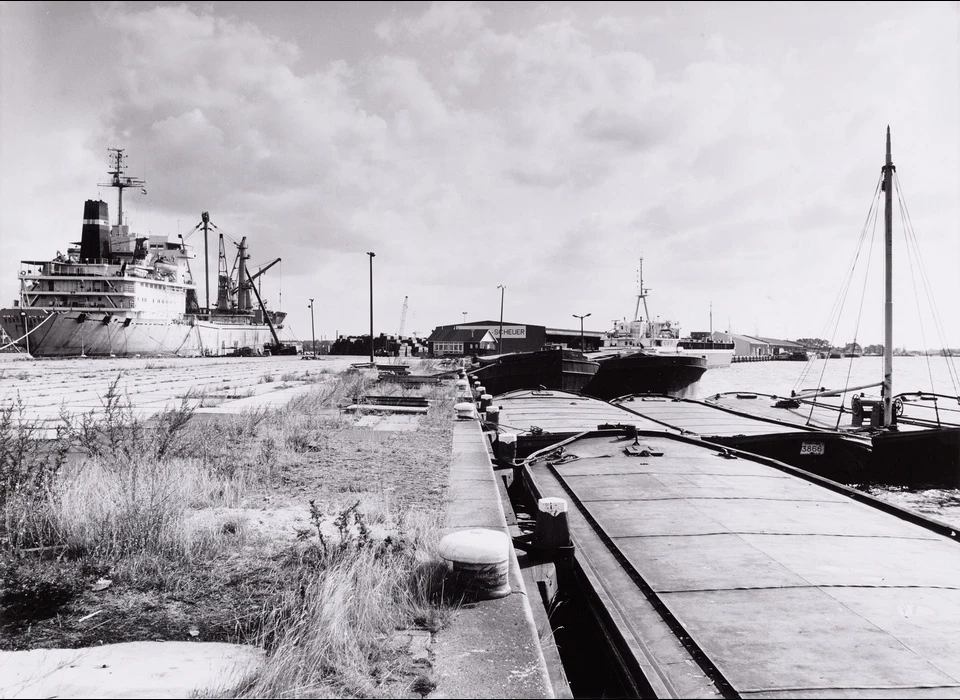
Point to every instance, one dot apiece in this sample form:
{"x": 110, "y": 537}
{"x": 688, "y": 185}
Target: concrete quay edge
{"x": 491, "y": 649}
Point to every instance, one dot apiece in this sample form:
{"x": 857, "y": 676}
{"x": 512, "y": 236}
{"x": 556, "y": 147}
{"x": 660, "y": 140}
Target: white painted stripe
{"x": 96, "y": 222}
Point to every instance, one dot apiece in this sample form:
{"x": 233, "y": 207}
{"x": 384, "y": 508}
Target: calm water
{"x": 909, "y": 374}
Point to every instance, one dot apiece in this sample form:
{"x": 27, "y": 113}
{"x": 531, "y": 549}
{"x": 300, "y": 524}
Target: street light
{"x": 581, "y": 328}
{"x": 500, "y": 339}
{"x": 313, "y": 333}
{"x": 372, "y": 256}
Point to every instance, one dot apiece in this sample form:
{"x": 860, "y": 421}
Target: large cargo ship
{"x": 122, "y": 294}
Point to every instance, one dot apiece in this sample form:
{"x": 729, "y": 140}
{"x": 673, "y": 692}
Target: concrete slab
{"x": 131, "y": 670}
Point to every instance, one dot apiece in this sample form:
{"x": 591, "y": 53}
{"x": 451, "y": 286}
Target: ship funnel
{"x": 95, "y": 238}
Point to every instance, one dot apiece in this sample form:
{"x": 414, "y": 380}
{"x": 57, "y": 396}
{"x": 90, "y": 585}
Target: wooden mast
{"x": 888, "y": 170}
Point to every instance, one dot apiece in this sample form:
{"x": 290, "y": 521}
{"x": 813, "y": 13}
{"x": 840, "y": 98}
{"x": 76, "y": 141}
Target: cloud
{"x": 524, "y": 144}
{"x": 441, "y": 20}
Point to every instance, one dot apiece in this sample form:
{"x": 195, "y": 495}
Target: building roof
{"x": 460, "y": 335}
{"x": 781, "y": 343}
{"x": 576, "y": 332}
{"x": 746, "y": 338}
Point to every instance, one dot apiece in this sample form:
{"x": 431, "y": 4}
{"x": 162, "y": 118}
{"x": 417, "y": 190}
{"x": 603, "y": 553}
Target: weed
{"x": 117, "y": 432}
{"x": 28, "y": 468}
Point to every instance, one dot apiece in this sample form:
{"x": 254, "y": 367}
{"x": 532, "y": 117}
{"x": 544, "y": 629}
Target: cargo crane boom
{"x": 277, "y": 348}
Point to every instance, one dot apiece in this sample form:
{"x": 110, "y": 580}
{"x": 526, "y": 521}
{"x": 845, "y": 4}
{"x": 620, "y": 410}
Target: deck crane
{"x": 403, "y": 318}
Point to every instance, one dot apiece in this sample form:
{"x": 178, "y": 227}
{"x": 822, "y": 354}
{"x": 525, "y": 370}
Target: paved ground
{"x": 47, "y": 387}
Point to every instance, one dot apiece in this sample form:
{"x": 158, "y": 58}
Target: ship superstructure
{"x": 664, "y": 337}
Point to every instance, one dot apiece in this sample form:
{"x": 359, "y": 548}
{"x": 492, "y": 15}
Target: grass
{"x": 292, "y": 529}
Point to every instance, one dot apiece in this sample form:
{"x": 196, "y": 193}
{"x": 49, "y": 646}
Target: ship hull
{"x": 98, "y": 333}
{"x": 566, "y": 370}
{"x": 645, "y": 373}
{"x": 715, "y": 358}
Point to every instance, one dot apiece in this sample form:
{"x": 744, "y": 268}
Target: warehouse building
{"x": 482, "y": 338}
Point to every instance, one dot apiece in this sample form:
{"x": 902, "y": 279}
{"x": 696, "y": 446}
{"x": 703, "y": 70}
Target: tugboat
{"x": 123, "y": 294}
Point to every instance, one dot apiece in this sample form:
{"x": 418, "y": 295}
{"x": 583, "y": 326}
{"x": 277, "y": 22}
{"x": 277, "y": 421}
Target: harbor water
{"x": 910, "y": 373}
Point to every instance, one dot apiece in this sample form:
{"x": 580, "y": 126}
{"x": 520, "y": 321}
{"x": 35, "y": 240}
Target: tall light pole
{"x": 500, "y": 339}
{"x": 581, "y": 328}
{"x": 372, "y": 256}
{"x": 313, "y": 333}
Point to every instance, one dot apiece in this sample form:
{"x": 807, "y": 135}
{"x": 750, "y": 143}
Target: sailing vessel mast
{"x": 888, "y": 170}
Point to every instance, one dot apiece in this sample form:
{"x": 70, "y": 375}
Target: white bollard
{"x": 465, "y": 411}
{"x": 479, "y": 562}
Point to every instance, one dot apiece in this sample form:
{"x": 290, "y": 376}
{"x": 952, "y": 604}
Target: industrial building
{"x": 482, "y": 338}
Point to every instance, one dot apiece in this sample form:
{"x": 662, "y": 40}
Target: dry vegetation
{"x": 291, "y": 529}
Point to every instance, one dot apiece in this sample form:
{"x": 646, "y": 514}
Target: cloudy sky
{"x": 735, "y": 147}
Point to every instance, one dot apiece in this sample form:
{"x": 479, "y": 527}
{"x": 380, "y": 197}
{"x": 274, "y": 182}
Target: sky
{"x": 546, "y": 147}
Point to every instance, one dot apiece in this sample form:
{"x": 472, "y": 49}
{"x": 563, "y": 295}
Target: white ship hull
{"x": 99, "y": 333}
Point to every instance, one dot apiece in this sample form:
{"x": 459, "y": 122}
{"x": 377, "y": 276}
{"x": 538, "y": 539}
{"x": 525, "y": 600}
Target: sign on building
{"x": 519, "y": 332}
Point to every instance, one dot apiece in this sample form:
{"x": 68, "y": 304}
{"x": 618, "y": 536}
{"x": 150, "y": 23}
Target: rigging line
{"x": 938, "y": 323}
{"x": 872, "y": 213}
{"x": 838, "y": 303}
{"x": 913, "y": 280}
{"x": 863, "y": 296}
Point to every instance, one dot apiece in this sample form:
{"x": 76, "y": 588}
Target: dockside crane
{"x": 403, "y": 318}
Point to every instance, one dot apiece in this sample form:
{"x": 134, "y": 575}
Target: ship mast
{"x": 641, "y": 296}
{"x": 119, "y": 181}
{"x": 888, "y": 170}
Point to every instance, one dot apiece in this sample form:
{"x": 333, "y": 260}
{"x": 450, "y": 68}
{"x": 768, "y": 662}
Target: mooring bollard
{"x": 485, "y": 401}
{"x": 508, "y": 447}
{"x": 463, "y": 390}
{"x": 465, "y": 411}
{"x": 493, "y": 415}
{"x": 479, "y": 561}
{"x": 552, "y": 529}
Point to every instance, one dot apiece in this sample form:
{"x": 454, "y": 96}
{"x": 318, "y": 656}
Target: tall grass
{"x": 327, "y": 637}
{"x": 28, "y": 469}
{"x": 139, "y": 507}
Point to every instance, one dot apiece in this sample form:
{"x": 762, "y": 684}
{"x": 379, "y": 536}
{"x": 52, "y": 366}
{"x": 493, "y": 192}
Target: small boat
{"x": 914, "y": 436}
{"x": 642, "y": 372}
{"x": 549, "y": 368}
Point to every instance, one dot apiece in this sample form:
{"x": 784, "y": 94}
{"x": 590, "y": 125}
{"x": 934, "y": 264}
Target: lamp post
{"x": 26, "y": 331}
{"x": 500, "y": 339}
{"x": 581, "y": 328}
{"x": 372, "y": 256}
{"x": 313, "y": 333}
